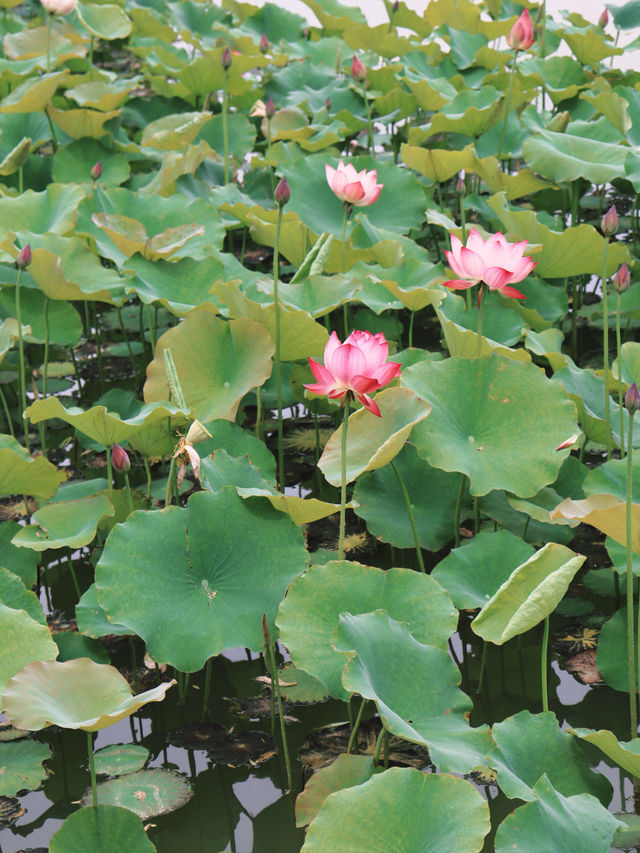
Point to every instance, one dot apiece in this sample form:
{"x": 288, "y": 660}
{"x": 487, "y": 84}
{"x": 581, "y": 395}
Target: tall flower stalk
{"x": 609, "y": 225}
{"x": 632, "y": 403}
{"x": 23, "y": 260}
{"x": 620, "y": 282}
{"x": 225, "y": 61}
{"x": 521, "y": 37}
{"x": 282, "y": 195}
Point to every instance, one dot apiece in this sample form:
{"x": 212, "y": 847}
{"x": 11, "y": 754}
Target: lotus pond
{"x": 320, "y": 490}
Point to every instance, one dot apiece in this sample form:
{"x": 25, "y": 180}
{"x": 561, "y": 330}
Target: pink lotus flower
{"x": 495, "y": 262}
{"x": 521, "y": 36}
{"x": 58, "y": 7}
{"x": 359, "y": 366}
{"x": 358, "y": 71}
{"x": 351, "y": 187}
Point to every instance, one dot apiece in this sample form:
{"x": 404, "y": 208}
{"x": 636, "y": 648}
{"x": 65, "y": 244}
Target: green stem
{"x": 258, "y": 426}
{"x": 109, "y": 468}
{"x": 72, "y": 571}
{"x": 129, "y": 498}
{"x": 543, "y": 665}
{"x": 278, "y": 366}
{"x": 22, "y": 380}
{"x": 456, "y": 520}
{"x": 481, "y": 300}
{"x": 343, "y": 251}
{"x": 369, "y": 122}
{"x": 91, "y": 58}
{"x": 126, "y": 338}
{"x": 170, "y": 478}
{"x": 412, "y": 521}
{"x": 7, "y": 413}
{"x": 354, "y": 731}
{"x": 207, "y": 684}
{"x": 483, "y": 666}
{"x": 378, "y": 749}
{"x": 96, "y": 326}
{"x": 620, "y": 362}
{"x": 343, "y": 475}
{"x": 52, "y": 130}
{"x": 411, "y": 319}
{"x": 92, "y": 769}
{"x": 48, "y": 66}
{"x": 268, "y": 157}
{"x": 270, "y": 659}
{"x": 225, "y": 128}
{"x": 134, "y": 664}
{"x": 148, "y": 473}
{"x": 152, "y": 331}
{"x": 631, "y": 651}
{"x": 507, "y": 105}
{"x": 605, "y": 345}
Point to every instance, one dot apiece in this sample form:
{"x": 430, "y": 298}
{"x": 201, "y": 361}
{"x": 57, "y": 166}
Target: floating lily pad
{"x": 101, "y": 829}
{"x": 147, "y": 793}
{"x": 120, "y": 758}
{"x": 68, "y": 524}
{"x": 311, "y": 611}
{"x": 497, "y": 420}
{"x": 77, "y": 694}
{"x": 21, "y": 766}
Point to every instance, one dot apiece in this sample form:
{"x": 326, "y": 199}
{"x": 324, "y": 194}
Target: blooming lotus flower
{"x": 521, "y": 36}
{"x": 58, "y": 7}
{"x": 351, "y": 187}
{"x": 358, "y": 366}
{"x": 495, "y": 262}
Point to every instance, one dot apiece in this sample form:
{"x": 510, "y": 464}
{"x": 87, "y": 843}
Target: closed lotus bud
{"x": 521, "y": 36}
{"x": 609, "y": 223}
{"x": 225, "y": 59}
{"x": 396, "y": 6}
{"x": 327, "y": 104}
{"x": 282, "y": 193}
{"x": 622, "y": 279}
{"x": 559, "y": 122}
{"x": 461, "y": 187}
{"x": 120, "y": 459}
{"x": 96, "y": 171}
{"x": 23, "y": 258}
{"x": 197, "y": 433}
{"x": 358, "y": 71}
{"x": 603, "y": 20}
{"x": 264, "y": 43}
{"x": 269, "y": 108}
{"x": 632, "y": 398}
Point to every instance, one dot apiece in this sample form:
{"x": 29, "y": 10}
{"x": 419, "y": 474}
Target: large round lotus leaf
{"x": 432, "y": 493}
{"x": 179, "y": 285}
{"x": 605, "y": 512}
{"x": 497, "y": 420}
{"x": 473, "y": 573}
{"x": 371, "y": 441}
{"x": 53, "y": 210}
{"x": 130, "y": 236}
{"x": 463, "y": 342}
{"x": 120, "y": 758}
{"x": 104, "y": 20}
{"x": 238, "y": 442}
{"x": 404, "y": 810}
{"x": 102, "y": 829}
{"x": 76, "y": 694}
{"x": 611, "y": 655}
{"x": 311, "y": 611}
{"x": 625, "y": 754}
{"x": 80, "y": 124}
{"x": 611, "y": 479}
{"x": 528, "y": 745}
{"x": 92, "y": 620}
{"x": 26, "y": 476}
{"x": 33, "y": 95}
{"x": 63, "y": 320}
{"x": 23, "y": 640}
{"x": 73, "y": 645}
{"x": 215, "y": 566}
{"x": 146, "y": 792}
{"x": 554, "y": 822}
{"x": 345, "y": 772}
{"x": 21, "y": 766}
{"x": 173, "y": 131}
{"x": 21, "y": 562}
{"x": 562, "y": 157}
{"x": 529, "y": 595}
{"x": 217, "y": 362}
{"x": 69, "y": 524}
{"x": 14, "y": 594}
{"x": 73, "y": 162}
{"x": 387, "y": 664}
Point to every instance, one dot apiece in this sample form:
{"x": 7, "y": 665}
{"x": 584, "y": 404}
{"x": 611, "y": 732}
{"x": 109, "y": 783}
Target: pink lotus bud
{"x": 269, "y": 108}
{"x": 58, "y": 7}
{"x": 521, "y": 36}
{"x": 96, "y": 171}
{"x": 23, "y": 258}
{"x": 461, "y": 187}
{"x": 622, "y": 278}
{"x": 282, "y": 193}
{"x": 264, "y": 43}
{"x": 395, "y": 6}
{"x": 120, "y": 459}
{"x": 327, "y": 104}
{"x": 609, "y": 223}
{"x": 603, "y": 20}
{"x": 632, "y": 399}
{"x": 358, "y": 71}
{"x": 225, "y": 59}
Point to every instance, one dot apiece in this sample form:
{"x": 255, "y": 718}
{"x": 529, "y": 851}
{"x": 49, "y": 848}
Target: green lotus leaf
{"x": 384, "y": 662}
{"x": 174, "y": 165}
{"x": 26, "y": 476}
{"x": 588, "y": 44}
{"x": 13, "y": 593}
{"x": 130, "y": 236}
{"x": 605, "y": 512}
{"x": 562, "y": 157}
{"x": 147, "y": 793}
{"x": 70, "y": 524}
{"x": 16, "y": 158}
{"x": 611, "y": 662}
{"x": 439, "y": 164}
{"x": 53, "y": 210}
{"x": 63, "y": 320}
{"x": 415, "y": 283}
{"x": 21, "y": 562}
{"x": 101, "y": 830}
{"x": 555, "y": 822}
{"x": 173, "y": 131}
{"x": 23, "y": 641}
{"x": 528, "y": 745}
{"x": 92, "y": 619}
{"x": 562, "y": 76}
{"x": 76, "y": 694}
{"x": 625, "y": 754}
{"x": 195, "y": 561}
{"x": 180, "y": 285}
{"x": 475, "y": 571}
{"x": 238, "y": 442}
{"x": 311, "y": 611}
{"x": 72, "y": 645}
{"x": 21, "y": 766}
{"x": 373, "y": 442}
{"x": 79, "y": 124}
{"x": 120, "y": 759}
{"x": 573, "y": 251}
{"x": 471, "y": 112}
{"x": 317, "y": 294}
{"x": 301, "y": 335}
{"x": 495, "y": 419}
{"x": 630, "y": 357}
{"x": 529, "y": 595}
{"x": 611, "y": 479}
{"x": 31, "y": 43}
{"x": 217, "y": 363}
{"x": 612, "y": 106}
{"x": 104, "y": 20}
{"x": 402, "y": 809}
{"x": 73, "y": 162}
{"x": 102, "y": 95}
{"x": 241, "y": 132}
{"x": 432, "y": 493}
{"x": 34, "y": 94}
{"x": 345, "y": 772}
